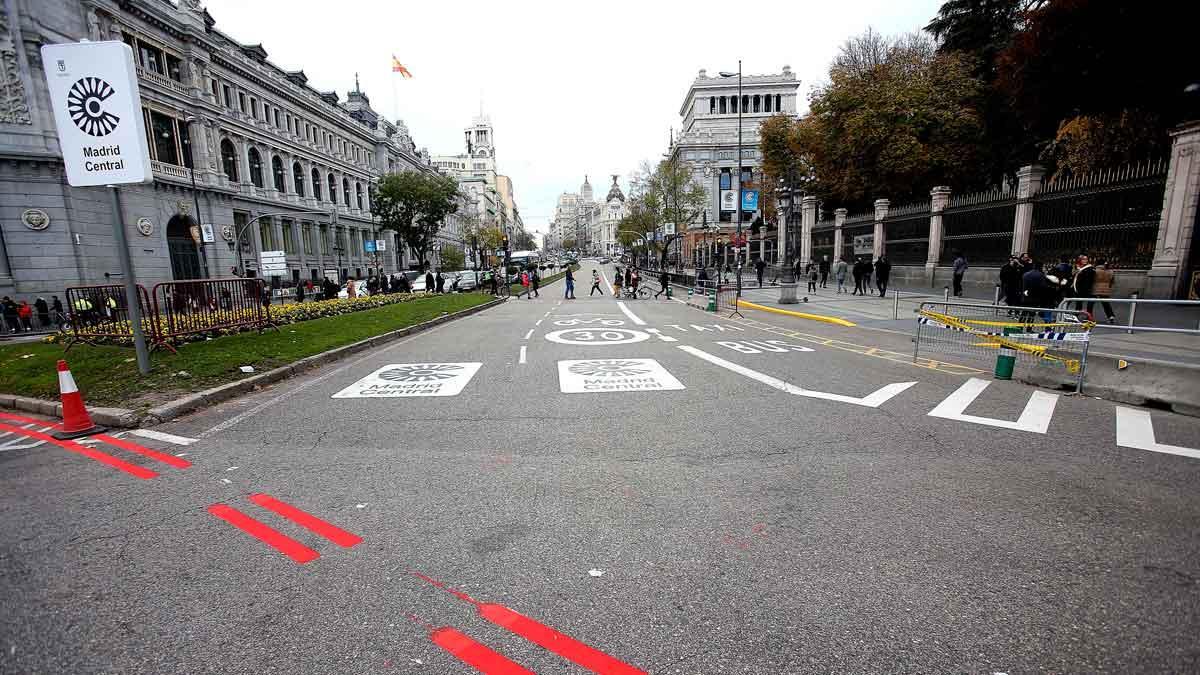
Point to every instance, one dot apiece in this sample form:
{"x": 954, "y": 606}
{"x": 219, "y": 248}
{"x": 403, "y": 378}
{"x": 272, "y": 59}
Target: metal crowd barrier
{"x": 102, "y": 312}
{"x": 201, "y": 306}
{"x": 1130, "y": 325}
{"x": 1031, "y": 337}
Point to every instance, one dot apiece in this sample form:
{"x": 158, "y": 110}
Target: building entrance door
{"x": 185, "y": 260}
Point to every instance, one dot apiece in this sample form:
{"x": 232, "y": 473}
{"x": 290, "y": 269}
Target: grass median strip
{"x": 107, "y": 375}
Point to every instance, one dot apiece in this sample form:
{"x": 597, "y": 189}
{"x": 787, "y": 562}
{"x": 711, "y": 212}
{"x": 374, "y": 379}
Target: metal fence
{"x": 980, "y": 226}
{"x": 1110, "y": 215}
{"x": 822, "y": 242}
{"x": 906, "y": 234}
{"x": 1037, "y": 338}
{"x": 209, "y": 305}
{"x": 857, "y": 226}
{"x": 101, "y": 312}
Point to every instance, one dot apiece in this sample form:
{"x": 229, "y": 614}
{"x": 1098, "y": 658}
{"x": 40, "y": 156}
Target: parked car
{"x": 605, "y": 260}
{"x": 464, "y": 281}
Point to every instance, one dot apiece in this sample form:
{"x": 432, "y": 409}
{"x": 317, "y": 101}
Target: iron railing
{"x": 102, "y": 312}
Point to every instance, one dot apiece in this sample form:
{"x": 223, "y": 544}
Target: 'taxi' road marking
{"x": 1135, "y": 429}
{"x": 872, "y": 400}
{"x": 1035, "y": 418}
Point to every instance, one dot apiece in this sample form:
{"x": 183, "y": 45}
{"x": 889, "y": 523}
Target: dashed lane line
{"x": 522, "y": 356}
{"x": 527, "y": 335}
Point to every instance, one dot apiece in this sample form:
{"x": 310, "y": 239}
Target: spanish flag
{"x": 398, "y": 67}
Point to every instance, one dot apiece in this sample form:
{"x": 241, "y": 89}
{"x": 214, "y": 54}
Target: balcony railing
{"x": 161, "y": 80}
{"x": 169, "y": 169}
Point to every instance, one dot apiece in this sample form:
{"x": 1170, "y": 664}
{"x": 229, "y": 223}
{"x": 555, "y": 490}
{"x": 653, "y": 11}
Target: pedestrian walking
{"x": 812, "y": 273}
{"x": 1010, "y": 281}
{"x": 569, "y": 293}
{"x": 665, "y": 280}
{"x": 616, "y": 283}
{"x": 430, "y": 283}
{"x": 629, "y": 277}
{"x": 440, "y": 282}
{"x": 1101, "y": 287}
{"x": 43, "y": 312}
{"x": 760, "y": 266}
{"x": 960, "y": 269}
{"x": 351, "y": 288}
{"x": 495, "y": 282}
{"x": 525, "y": 285}
{"x": 867, "y": 268}
{"x": 9, "y": 309}
{"x": 635, "y": 278}
{"x": 535, "y": 280}
{"x": 595, "y": 284}
{"x": 857, "y": 271}
{"x": 839, "y": 273}
{"x": 883, "y": 272}
{"x": 823, "y": 267}
{"x": 25, "y": 314}
{"x": 299, "y": 293}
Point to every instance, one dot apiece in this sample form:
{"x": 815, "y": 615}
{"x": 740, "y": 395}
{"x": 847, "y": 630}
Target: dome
{"x": 614, "y": 192}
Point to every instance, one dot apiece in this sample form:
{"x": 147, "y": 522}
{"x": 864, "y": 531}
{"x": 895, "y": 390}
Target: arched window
{"x": 298, "y": 178}
{"x": 229, "y": 161}
{"x": 256, "y": 168}
{"x": 358, "y": 195}
{"x": 346, "y": 191}
{"x": 277, "y": 173}
{"x": 332, "y": 189}
{"x": 316, "y": 176}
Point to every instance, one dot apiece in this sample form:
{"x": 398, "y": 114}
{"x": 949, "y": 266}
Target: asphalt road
{"x": 700, "y": 500}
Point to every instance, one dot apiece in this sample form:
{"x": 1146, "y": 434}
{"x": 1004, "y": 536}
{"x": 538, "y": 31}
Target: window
{"x": 278, "y": 125}
{"x": 266, "y": 233}
{"x": 228, "y": 100}
{"x": 324, "y": 239}
{"x": 745, "y": 103}
{"x": 240, "y": 219}
{"x": 358, "y": 194}
{"x": 174, "y": 69}
{"x": 151, "y": 57}
{"x": 306, "y": 235}
{"x": 778, "y": 108}
{"x": 346, "y": 191}
{"x": 733, "y": 104}
{"x": 242, "y": 101}
{"x": 316, "y": 176}
{"x": 229, "y": 160}
{"x": 255, "y": 159}
{"x": 341, "y": 239}
{"x": 712, "y": 104}
{"x": 332, "y": 188}
{"x": 168, "y": 139}
{"x": 298, "y": 178}
{"x": 216, "y": 90}
{"x": 757, "y": 103}
{"x": 289, "y": 236}
{"x": 254, "y": 107}
{"x": 355, "y": 248}
{"x": 726, "y": 179}
{"x": 277, "y": 174}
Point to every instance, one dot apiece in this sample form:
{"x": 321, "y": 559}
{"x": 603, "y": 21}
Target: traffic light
{"x": 505, "y": 243}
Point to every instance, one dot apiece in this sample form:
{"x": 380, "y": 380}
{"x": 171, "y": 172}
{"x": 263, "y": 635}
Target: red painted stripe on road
{"x": 563, "y": 645}
{"x": 308, "y": 521}
{"x": 269, "y": 536}
{"x": 177, "y": 462}
{"x": 29, "y": 420}
{"x": 131, "y": 469}
{"x": 476, "y": 655}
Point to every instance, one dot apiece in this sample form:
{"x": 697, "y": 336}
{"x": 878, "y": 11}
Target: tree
{"x": 414, "y": 204}
{"x": 896, "y": 128}
{"x": 523, "y": 241}
{"x": 568, "y": 244}
{"x": 452, "y": 258}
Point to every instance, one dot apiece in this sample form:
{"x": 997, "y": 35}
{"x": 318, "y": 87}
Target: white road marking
{"x": 240, "y": 417}
{"x": 538, "y": 322}
{"x": 872, "y": 400}
{"x": 658, "y": 334}
{"x": 1135, "y": 429}
{"x": 522, "y": 358}
{"x": 546, "y": 314}
{"x": 605, "y": 278}
{"x": 161, "y": 436}
{"x": 632, "y": 317}
{"x": 1034, "y": 419}
{"x": 590, "y": 376}
{"x": 528, "y": 334}
{"x": 597, "y": 336}
{"x": 403, "y": 380}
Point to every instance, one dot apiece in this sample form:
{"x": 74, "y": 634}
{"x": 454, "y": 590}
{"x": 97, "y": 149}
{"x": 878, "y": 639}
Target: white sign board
{"x": 272, "y": 261}
{"x": 98, "y": 112}
{"x": 399, "y": 380}
{"x": 728, "y": 200}
{"x": 206, "y": 233}
{"x": 380, "y": 245}
{"x": 601, "y": 375}
{"x": 864, "y": 244}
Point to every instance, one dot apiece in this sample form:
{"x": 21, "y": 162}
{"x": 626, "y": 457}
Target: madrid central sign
{"x": 98, "y": 111}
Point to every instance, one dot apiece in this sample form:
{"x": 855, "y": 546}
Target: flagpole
{"x": 395, "y": 101}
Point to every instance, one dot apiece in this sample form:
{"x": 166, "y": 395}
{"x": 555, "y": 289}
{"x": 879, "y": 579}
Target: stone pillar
{"x": 1168, "y": 276}
{"x": 839, "y": 220}
{"x": 938, "y": 198}
{"x": 808, "y": 218}
{"x": 200, "y": 142}
{"x": 244, "y": 159}
{"x": 781, "y": 242}
{"x": 881, "y": 211}
{"x": 1029, "y": 182}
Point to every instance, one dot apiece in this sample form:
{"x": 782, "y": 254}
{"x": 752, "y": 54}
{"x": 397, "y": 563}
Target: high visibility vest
{"x": 82, "y": 304}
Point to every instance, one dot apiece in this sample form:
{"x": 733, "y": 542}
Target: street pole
{"x": 199, "y": 223}
{"x": 741, "y": 104}
{"x": 132, "y": 304}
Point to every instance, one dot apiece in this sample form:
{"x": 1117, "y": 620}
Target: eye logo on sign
{"x": 608, "y": 368}
{"x": 85, "y": 103}
{"x": 421, "y": 373}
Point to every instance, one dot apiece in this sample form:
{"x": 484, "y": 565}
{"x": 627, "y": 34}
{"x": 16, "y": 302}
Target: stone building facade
{"x": 276, "y": 164}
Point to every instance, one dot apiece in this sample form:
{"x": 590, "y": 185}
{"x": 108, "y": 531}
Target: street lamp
{"x": 196, "y": 200}
{"x": 738, "y": 169}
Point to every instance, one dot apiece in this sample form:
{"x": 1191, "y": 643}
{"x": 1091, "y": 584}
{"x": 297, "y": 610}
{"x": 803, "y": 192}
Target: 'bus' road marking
{"x": 1035, "y": 418}
{"x": 872, "y": 400}
{"x": 162, "y": 436}
{"x": 522, "y": 359}
{"x": 1135, "y": 429}
{"x": 632, "y": 317}
{"x": 527, "y": 335}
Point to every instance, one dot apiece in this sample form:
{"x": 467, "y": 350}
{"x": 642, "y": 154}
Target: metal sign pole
{"x": 131, "y": 293}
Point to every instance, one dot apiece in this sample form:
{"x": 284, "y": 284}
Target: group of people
{"x": 1026, "y": 282}
{"x": 818, "y": 272}
{"x": 18, "y": 316}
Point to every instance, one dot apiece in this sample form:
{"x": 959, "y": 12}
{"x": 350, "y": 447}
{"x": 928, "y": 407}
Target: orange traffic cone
{"x": 76, "y": 421}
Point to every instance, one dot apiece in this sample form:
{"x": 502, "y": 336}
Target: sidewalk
{"x": 874, "y": 312}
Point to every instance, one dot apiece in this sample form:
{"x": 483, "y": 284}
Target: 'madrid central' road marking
{"x": 632, "y": 317}
{"x": 873, "y": 400}
{"x": 1035, "y": 418}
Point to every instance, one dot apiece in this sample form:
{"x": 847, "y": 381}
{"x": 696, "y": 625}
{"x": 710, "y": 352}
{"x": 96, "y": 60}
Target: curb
{"x": 800, "y": 315}
{"x": 123, "y": 418}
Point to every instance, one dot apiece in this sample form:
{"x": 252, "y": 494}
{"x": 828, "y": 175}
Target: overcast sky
{"x": 571, "y": 88}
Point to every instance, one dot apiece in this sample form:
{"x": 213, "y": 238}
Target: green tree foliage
{"x": 523, "y": 241}
{"x": 414, "y": 204}
{"x": 896, "y": 118}
{"x": 452, "y": 258}
{"x": 568, "y": 244}
{"x": 786, "y": 160}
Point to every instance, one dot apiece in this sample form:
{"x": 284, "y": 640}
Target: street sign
{"x": 206, "y": 232}
{"x": 98, "y": 112}
{"x": 272, "y": 262}
{"x": 864, "y": 244}
{"x": 749, "y": 200}
{"x": 369, "y": 245}
{"x": 728, "y": 200}
{"x": 380, "y": 245}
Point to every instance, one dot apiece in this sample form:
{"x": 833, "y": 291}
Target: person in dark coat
{"x": 857, "y": 272}
{"x": 1010, "y": 281}
{"x": 440, "y": 281}
{"x": 760, "y": 266}
{"x": 823, "y": 266}
{"x": 883, "y": 272}
{"x": 1037, "y": 290}
{"x": 43, "y": 312}
{"x": 300, "y": 292}
{"x": 430, "y": 283}
{"x": 535, "y": 280}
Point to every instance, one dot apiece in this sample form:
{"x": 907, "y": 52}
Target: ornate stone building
{"x": 276, "y": 163}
